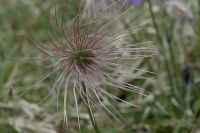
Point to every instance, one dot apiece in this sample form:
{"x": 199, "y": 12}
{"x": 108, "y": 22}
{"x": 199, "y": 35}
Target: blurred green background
{"x": 172, "y": 107}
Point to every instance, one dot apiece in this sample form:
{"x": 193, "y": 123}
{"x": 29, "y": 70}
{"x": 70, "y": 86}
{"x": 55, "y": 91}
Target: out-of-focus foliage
{"x": 168, "y": 108}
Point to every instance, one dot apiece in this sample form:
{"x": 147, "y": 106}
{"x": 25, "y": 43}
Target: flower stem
{"x": 92, "y": 118}
{"x": 173, "y": 83}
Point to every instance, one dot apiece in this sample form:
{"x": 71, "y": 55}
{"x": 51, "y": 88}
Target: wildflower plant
{"x": 89, "y": 54}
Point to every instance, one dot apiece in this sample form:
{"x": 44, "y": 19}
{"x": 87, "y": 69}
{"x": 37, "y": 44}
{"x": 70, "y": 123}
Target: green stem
{"x": 163, "y": 51}
{"x": 175, "y": 66}
{"x": 92, "y": 118}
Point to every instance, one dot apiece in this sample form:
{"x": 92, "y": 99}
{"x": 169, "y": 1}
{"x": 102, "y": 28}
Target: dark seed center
{"x": 83, "y": 56}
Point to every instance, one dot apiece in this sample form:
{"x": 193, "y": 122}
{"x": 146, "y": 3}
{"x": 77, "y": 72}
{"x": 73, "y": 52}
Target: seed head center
{"x": 83, "y": 56}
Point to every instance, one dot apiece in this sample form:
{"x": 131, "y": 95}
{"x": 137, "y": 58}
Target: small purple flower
{"x": 136, "y": 2}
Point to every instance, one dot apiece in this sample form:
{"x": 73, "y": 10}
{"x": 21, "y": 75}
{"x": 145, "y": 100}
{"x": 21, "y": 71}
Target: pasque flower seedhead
{"x": 89, "y": 56}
